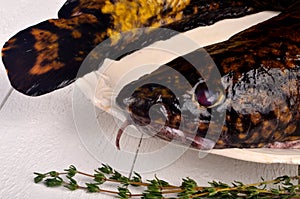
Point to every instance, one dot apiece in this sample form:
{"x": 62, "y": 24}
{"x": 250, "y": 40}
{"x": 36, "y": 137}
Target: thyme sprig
{"x": 283, "y": 187}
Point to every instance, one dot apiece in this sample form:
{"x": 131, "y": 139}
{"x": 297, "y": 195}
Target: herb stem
{"x": 158, "y": 188}
{"x": 116, "y": 181}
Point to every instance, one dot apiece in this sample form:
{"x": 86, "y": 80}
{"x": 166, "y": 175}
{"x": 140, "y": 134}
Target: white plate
{"x": 102, "y": 86}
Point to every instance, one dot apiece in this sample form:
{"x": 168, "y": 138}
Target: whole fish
{"x": 258, "y": 94}
{"x": 48, "y": 56}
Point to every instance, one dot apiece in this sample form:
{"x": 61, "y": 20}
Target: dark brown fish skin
{"x": 270, "y": 46}
{"x": 81, "y": 26}
{"x": 260, "y": 69}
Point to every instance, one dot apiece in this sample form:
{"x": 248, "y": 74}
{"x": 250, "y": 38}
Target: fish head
{"x": 175, "y": 104}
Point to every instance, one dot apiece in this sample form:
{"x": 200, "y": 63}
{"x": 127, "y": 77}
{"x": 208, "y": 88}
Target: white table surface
{"x": 39, "y": 134}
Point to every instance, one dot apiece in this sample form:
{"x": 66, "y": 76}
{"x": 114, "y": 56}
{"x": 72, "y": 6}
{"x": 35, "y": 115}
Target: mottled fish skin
{"x": 47, "y": 56}
{"x": 260, "y": 69}
{"x": 43, "y": 57}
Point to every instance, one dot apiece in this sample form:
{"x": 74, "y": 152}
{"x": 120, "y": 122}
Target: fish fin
{"x": 47, "y": 56}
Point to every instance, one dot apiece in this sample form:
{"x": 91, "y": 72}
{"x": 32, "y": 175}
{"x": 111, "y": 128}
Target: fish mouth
{"x": 169, "y": 134}
{"x": 190, "y": 140}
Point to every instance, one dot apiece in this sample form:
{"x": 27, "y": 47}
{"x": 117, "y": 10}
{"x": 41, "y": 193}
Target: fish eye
{"x": 206, "y": 97}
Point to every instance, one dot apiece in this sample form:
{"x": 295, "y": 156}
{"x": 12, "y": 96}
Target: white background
{"x": 39, "y": 134}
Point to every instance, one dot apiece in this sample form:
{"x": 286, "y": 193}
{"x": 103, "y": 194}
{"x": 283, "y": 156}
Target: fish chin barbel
{"x": 260, "y": 69}
{"x": 47, "y": 56}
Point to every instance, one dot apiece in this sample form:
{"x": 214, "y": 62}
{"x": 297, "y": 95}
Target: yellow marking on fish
{"x": 9, "y": 45}
{"x": 255, "y": 118}
{"x": 239, "y": 126}
{"x": 290, "y": 129}
{"x": 128, "y": 15}
{"x": 242, "y": 136}
{"x": 76, "y": 34}
{"x": 69, "y": 24}
{"x": 267, "y": 129}
{"x": 277, "y": 135}
{"x": 260, "y": 145}
{"x": 220, "y": 143}
{"x": 285, "y": 115}
{"x": 291, "y": 138}
{"x": 47, "y": 47}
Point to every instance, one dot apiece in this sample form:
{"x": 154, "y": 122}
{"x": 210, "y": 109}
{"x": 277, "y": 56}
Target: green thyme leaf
{"x": 71, "y": 171}
{"x": 106, "y": 169}
{"x": 124, "y": 193}
{"x": 54, "y": 182}
{"x": 40, "y": 177}
{"x": 92, "y": 187}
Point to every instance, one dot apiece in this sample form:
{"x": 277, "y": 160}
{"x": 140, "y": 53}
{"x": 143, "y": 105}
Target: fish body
{"x": 259, "y": 99}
